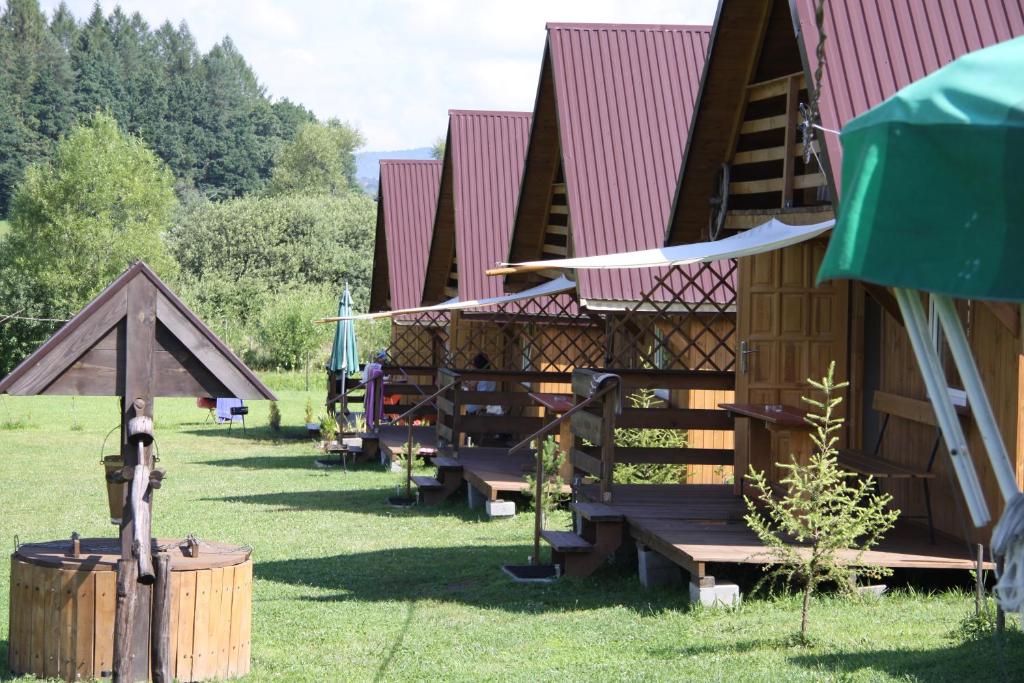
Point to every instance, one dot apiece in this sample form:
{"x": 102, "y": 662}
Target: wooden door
{"x": 792, "y": 330}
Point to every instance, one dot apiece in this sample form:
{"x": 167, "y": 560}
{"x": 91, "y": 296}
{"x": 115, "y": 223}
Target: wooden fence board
{"x": 186, "y": 625}
{"x": 106, "y": 606}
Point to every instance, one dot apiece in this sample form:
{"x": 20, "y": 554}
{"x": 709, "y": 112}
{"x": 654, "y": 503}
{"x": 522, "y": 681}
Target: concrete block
{"x": 474, "y": 499}
{"x": 500, "y": 508}
{"x": 655, "y": 569}
{"x": 722, "y": 594}
{"x": 875, "y": 591}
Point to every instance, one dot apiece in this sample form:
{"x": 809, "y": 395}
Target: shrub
{"x": 821, "y": 513}
{"x": 275, "y": 417}
{"x": 648, "y": 438}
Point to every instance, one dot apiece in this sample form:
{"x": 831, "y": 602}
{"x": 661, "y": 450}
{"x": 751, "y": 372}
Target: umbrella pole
{"x": 938, "y": 392}
{"x": 981, "y": 409}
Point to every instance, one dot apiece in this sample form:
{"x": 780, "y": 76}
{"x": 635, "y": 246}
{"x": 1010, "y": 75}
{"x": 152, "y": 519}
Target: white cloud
{"x": 395, "y": 67}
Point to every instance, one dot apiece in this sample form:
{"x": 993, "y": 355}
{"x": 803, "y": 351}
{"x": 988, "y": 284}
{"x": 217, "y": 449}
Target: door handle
{"x": 745, "y": 352}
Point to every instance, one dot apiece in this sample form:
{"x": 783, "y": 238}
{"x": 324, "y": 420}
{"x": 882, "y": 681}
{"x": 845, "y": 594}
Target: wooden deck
{"x": 492, "y": 471}
{"x": 393, "y": 439}
{"x": 697, "y": 524}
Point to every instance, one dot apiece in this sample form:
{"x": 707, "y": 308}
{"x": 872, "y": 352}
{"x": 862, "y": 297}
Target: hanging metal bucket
{"x": 112, "y": 464}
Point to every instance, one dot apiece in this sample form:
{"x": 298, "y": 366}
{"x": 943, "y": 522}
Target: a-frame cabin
{"x": 612, "y": 111}
{"x": 746, "y": 152}
{"x": 406, "y": 201}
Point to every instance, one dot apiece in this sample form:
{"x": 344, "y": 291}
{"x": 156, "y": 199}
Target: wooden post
{"x": 124, "y": 617}
{"x": 408, "y": 461}
{"x": 133, "y": 618}
{"x": 608, "y": 443}
{"x": 979, "y": 584}
{"x": 538, "y": 514}
{"x": 161, "y": 627}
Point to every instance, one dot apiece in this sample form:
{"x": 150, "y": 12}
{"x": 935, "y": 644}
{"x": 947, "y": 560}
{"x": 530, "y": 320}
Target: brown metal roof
{"x": 616, "y": 100}
{"x": 872, "y": 50}
{"x": 483, "y": 168}
{"x": 875, "y": 48}
{"x": 407, "y": 198}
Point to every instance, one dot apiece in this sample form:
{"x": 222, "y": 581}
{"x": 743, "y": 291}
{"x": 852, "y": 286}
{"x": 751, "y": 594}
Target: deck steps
{"x": 427, "y": 483}
{"x": 446, "y": 481}
{"x": 566, "y": 541}
{"x": 601, "y": 532}
{"x": 446, "y": 462}
{"x": 597, "y": 512}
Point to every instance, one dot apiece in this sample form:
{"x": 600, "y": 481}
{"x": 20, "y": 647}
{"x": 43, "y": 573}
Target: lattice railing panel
{"x": 687, "y": 321}
{"x": 418, "y": 340}
{"x": 548, "y": 334}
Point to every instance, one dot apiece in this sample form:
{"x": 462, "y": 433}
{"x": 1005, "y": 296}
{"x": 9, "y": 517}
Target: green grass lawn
{"x": 4, "y": 228}
{"x": 349, "y": 589}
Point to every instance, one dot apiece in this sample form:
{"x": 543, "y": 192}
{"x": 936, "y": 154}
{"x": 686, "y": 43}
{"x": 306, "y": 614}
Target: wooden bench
{"x": 874, "y": 465}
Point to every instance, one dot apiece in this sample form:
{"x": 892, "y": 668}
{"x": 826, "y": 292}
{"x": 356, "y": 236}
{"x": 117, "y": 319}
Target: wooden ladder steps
{"x": 446, "y": 462}
{"x": 427, "y": 483}
{"x": 597, "y": 512}
{"x": 566, "y": 541}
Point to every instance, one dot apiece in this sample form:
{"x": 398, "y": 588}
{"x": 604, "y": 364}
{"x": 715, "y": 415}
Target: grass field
{"x": 4, "y": 227}
{"x": 349, "y": 589}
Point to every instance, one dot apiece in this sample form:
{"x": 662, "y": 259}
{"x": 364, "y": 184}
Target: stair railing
{"x": 538, "y": 514}
{"x": 407, "y": 416}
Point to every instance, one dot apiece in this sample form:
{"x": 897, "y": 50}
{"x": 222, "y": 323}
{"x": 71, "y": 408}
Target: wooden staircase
{"x": 447, "y": 480}
{"x": 600, "y": 535}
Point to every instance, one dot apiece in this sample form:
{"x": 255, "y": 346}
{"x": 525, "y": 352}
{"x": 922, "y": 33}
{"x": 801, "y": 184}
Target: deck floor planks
{"x": 698, "y": 523}
{"x": 492, "y": 470}
{"x": 393, "y": 438}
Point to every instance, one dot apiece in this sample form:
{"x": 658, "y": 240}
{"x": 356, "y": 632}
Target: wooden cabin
{"x": 744, "y": 164}
{"x": 406, "y": 202}
{"x": 610, "y": 126}
{"x": 525, "y": 342}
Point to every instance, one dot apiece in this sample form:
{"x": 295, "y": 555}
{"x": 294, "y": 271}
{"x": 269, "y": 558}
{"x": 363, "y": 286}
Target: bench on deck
{"x": 874, "y": 465}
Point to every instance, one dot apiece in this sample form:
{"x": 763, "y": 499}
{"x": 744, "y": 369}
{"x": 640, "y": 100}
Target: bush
{"x": 286, "y": 332}
{"x": 648, "y": 438}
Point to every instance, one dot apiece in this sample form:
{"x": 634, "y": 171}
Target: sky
{"x": 395, "y": 67}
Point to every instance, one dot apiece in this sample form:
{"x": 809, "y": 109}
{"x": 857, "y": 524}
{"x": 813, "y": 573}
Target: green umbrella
{"x": 933, "y": 184}
{"x": 933, "y": 200}
{"x": 344, "y": 356}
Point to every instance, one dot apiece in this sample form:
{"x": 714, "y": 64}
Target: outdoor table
{"x": 555, "y": 405}
{"x": 786, "y": 423}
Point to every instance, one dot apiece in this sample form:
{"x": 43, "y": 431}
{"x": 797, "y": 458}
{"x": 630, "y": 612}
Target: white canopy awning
{"x": 766, "y": 237}
{"x": 556, "y": 286}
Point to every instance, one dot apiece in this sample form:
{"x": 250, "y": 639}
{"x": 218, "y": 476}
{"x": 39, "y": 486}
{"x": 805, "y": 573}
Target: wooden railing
{"x": 596, "y": 424}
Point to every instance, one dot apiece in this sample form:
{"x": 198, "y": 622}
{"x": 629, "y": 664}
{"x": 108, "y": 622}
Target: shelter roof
{"x": 872, "y": 50}
{"x": 613, "y": 108}
{"x": 483, "y": 166}
{"x": 406, "y": 201}
{"x": 87, "y": 356}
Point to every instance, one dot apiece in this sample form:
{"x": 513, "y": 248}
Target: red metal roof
{"x": 408, "y": 199}
{"x": 625, "y": 95}
{"x": 875, "y": 48}
{"x": 487, "y": 153}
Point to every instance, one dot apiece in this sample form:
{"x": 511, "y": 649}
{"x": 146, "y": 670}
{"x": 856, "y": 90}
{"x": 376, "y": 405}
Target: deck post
{"x": 607, "y": 444}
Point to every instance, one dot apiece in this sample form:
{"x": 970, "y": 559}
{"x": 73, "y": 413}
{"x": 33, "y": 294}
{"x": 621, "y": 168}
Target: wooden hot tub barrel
{"x": 62, "y": 610}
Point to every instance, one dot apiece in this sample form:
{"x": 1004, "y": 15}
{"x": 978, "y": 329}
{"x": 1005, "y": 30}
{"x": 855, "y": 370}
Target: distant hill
{"x": 368, "y": 164}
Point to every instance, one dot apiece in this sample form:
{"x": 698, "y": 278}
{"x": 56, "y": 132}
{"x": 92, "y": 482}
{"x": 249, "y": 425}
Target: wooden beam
{"x": 1006, "y": 313}
{"x": 763, "y": 124}
{"x": 800, "y": 182}
{"x": 885, "y": 299}
{"x": 764, "y": 90}
{"x": 788, "y": 162}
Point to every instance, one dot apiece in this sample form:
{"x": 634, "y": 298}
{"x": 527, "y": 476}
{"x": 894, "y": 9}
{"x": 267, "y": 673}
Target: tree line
{"x": 119, "y": 143}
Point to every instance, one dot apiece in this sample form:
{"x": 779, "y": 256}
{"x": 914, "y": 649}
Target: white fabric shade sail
{"x": 766, "y": 237}
{"x": 556, "y": 286}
